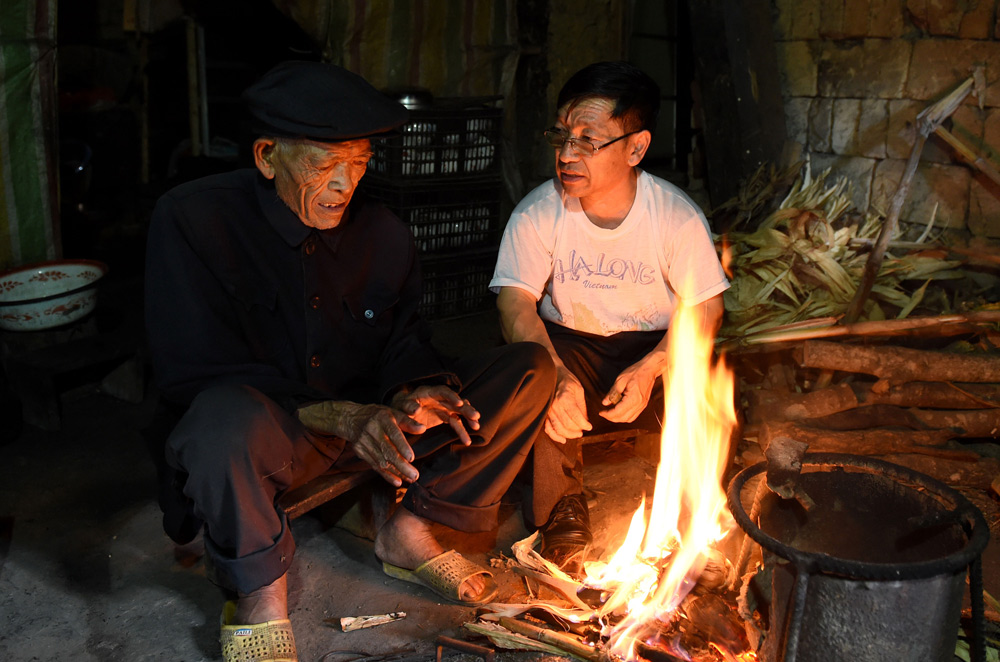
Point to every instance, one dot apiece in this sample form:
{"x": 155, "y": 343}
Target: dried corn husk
{"x": 806, "y": 258}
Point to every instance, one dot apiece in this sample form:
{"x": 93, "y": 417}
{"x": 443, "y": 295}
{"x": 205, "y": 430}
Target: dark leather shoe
{"x": 566, "y": 536}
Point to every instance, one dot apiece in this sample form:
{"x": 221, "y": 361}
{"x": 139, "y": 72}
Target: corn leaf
{"x": 915, "y": 300}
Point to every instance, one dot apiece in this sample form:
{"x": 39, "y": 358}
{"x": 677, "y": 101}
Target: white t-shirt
{"x": 605, "y": 281}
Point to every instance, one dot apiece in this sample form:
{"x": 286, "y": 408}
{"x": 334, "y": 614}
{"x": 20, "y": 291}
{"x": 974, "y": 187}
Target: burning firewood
{"x": 666, "y": 577}
{"x": 715, "y": 574}
{"x": 716, "y": 622}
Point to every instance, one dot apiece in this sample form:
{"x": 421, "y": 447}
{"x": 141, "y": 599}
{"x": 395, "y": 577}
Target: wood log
{"x": 930, "y": 395}
{"x": 957, "y": 473}
{"x": 565, "y": 642}
{"x": 966, "y": 424}
{"x": 968, "y": 155}
{"x": 980, "y": 423}
{"x": 938, "y": 326}
{"x": 867, "y": 442}
{"x": 777, "y": 405}
{"x": 899, "y": 364}
{"x": 873, "y": 416}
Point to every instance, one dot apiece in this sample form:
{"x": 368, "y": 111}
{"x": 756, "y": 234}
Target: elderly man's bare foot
{"x": 268, "y": 603}
{"x": 405, "y": 540}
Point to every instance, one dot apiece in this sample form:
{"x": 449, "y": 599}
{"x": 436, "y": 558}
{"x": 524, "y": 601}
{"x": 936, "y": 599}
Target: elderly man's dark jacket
{"x": 239, "y": 290}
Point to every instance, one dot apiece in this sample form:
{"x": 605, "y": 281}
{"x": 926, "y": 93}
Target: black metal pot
{"x": 874, "y": 571}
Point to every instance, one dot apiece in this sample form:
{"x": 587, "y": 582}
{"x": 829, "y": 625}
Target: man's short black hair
{"x": 635, "y": 93}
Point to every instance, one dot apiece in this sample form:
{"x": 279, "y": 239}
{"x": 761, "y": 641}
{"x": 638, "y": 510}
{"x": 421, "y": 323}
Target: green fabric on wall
{"x": 28, "y": 121}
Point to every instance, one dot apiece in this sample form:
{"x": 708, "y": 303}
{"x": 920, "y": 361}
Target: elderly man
{"x": 281, "y": 312}
{"x": 592, "y": 265}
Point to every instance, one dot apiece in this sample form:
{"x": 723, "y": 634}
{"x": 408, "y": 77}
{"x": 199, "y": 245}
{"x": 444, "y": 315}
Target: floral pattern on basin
{"x": 48, "y": 294}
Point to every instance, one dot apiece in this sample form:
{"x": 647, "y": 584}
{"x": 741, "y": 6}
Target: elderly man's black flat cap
{"x": 322, "y": 102}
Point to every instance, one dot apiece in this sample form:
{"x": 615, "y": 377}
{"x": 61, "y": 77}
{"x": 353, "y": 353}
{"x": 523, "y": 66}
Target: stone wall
{"x": 854, "y": 75}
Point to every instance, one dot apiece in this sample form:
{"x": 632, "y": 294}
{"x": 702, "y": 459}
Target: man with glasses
{"x": 592, "y": 265}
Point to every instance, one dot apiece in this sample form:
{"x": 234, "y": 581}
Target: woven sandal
{"x": 262, "y": 642}
{"x": 444, "y": 574}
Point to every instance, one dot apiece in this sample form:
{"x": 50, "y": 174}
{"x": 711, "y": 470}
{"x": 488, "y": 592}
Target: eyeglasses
{"x": 582, "y": 146}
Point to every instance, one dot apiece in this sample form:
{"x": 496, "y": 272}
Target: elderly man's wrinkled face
{"x": 316, "y": 180}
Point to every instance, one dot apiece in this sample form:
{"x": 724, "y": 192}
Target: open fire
{"x": 860, "y": 559}
{"x": 666, "y": 551}
{"x": 648, "y": 604}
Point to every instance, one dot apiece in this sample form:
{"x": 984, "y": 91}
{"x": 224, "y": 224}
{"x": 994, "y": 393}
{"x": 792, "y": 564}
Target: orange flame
{"x": 726, "y": 256}
{"x": 688, "y": 511}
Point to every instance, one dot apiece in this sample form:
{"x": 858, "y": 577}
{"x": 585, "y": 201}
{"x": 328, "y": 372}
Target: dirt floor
{"x": 86, "y": 573}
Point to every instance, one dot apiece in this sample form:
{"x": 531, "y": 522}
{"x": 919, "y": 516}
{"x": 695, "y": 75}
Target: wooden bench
{"x": 295, "y": 502}
{"x": 327, "y": 487}
{"x": 320, "y": 490}
{"x": 646, "y": 442}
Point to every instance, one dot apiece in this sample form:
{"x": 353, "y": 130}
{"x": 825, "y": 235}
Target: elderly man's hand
{"x": 567, "y": 418}
{"x": 433, "y": 405}
{"x": 375, "y": 432}
{"x": 630, "y": 393}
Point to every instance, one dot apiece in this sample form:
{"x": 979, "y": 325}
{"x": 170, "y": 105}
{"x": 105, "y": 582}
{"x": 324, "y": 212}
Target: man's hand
{"x": 375, "y": 432}
{"x": 433, "y": 405}
{"x": 567, "y": 417}
{"x": 630, "y": 393}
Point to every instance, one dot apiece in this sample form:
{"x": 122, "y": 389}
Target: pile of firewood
{"x": 914, "y": 407}
{"x": 838, "y": 319}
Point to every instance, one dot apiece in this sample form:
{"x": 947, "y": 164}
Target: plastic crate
{"x": 444, "y": 217}
{"x": 454, "y": 138}
{"x": 457, "y": 285}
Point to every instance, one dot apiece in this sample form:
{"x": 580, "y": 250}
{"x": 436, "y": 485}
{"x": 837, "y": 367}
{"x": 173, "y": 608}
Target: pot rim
{"x": 967, "y": 515}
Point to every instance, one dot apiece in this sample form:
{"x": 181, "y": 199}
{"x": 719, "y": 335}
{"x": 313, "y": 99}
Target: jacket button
{"x": 310, "y": 246}
{"x": 369, "y": 314}
{"x": 315, "y": 361}
{"x": 314, "y": 303}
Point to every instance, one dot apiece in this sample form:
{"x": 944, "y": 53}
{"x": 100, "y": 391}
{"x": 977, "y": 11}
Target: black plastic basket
{"x": 443, "y": 217}
{"x": 458, "y": 285}
{"x": 454, "y": 138}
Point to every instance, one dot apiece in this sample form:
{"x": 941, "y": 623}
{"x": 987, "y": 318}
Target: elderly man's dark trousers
{"x": 241, "y": 451}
